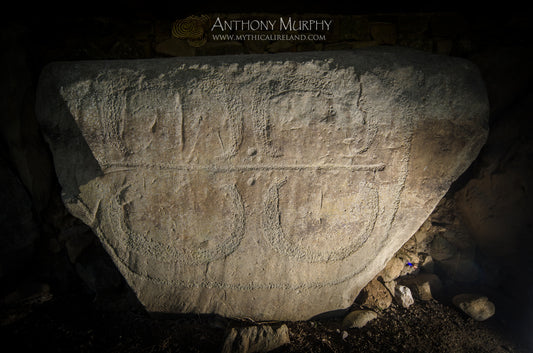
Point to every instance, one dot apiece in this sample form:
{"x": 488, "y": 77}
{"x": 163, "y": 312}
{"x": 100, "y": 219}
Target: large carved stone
{"x": 265, "y": 186}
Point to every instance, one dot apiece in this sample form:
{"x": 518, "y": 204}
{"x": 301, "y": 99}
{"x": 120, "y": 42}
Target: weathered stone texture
{"x": 266, "y": 186}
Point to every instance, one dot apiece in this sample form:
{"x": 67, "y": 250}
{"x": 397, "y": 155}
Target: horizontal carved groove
{"x": 122, "y": 167}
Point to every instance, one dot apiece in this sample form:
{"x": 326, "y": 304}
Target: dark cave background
{"x": 46, "y": 254}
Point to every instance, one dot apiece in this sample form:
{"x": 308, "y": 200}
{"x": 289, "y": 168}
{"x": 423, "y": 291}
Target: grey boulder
{"x": 252, "y": 339}
{"x": 261, "y": 186}
{"x": 478, "y": 307}
{"x": 358, "y": 318}
{"x": 403, "y": 296}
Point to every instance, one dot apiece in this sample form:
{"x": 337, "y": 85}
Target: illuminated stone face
{"x": 271, "y": 187}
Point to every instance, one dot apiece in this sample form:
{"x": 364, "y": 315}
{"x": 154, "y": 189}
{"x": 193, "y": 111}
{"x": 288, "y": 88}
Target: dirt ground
{"x": 81, "y": 324}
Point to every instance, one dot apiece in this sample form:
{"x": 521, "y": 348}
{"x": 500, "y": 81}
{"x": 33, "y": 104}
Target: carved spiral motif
{"x": 191, "y": 28}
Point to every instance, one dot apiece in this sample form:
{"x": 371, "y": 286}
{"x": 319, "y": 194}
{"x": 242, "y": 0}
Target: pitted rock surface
{"x": 264, "y": 186}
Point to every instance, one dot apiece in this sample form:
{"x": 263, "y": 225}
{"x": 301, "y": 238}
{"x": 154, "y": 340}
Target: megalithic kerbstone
{"x": 262, "y": 186}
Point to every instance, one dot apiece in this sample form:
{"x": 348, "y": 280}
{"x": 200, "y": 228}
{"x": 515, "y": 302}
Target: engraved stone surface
{"x": 265, "y": 186}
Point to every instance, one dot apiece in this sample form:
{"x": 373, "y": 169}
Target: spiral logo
{"x": 193, "y": 29}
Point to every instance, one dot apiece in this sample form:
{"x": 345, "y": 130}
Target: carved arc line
{"x": 239, "y": 286}
{"x": 275, "y": 236}
{"x": 167, "y": 254}
{"x": 402, "y": 179}
{"x": 371, "y": 129}
{"x": 220, "y": 285}
{"x": 121, "y": 263}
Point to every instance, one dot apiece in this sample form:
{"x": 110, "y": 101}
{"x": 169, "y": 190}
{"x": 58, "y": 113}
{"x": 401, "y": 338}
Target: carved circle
{"x": 366, "y": 201}
{"x": 196, "y": 231}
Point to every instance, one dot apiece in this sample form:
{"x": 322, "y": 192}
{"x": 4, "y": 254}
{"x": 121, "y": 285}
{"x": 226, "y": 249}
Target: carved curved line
{"x": 236, "y": 140}
{"x": 238, "y": 286}
{"x": 261, "y": 130}
{"x": 404, "y": 171}
{"x": 371, "y": 128}
{"x": 122, "y": 264}
{"x": 370, "y": 133}
{"x": 167, "y": 254}
{"x": 273, "y": 231}
{"x": 235, "y": 129}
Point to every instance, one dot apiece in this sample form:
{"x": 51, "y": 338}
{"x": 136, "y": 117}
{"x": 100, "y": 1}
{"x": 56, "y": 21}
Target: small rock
{"x": 424, "y": 285}
{"x": 390, "y": 286}
{"x": 392, "y": 270}
{"x": 477, "y": 307}
{"x": 358, "y": 318}
{"x": 408, "y": 254}
{"x": 375, "y": 295}
{"x": 344, "y": 335}
{"x": 403, "y": 296}
{"x": 255, "y": 339}
{"x": 427, "y": 264}
{"x": 422, "y": 291}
